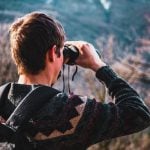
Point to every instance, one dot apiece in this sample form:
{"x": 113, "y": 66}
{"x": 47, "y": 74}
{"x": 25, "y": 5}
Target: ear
{"x": 52, "y": 54}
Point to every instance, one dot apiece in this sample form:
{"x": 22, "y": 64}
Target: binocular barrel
{"x": 71, "y": 53}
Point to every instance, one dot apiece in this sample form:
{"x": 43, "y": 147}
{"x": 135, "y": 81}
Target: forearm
{"x": 126, "y": 98}
{"x": 117, "y": 87}
{"x": 127, "y": 115}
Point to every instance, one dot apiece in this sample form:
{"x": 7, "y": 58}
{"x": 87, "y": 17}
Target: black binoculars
{"x": 71, "y": 53}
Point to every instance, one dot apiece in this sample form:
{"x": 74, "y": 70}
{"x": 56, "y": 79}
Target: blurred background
{"x": 119, "y": 29}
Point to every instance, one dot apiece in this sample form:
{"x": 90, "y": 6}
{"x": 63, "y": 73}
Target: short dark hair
{"x": 31, "y": 37}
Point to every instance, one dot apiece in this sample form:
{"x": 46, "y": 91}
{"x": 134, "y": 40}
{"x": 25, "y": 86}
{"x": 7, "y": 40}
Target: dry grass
{"x": 7, "y": 68}
{"x": 135, "y": 68}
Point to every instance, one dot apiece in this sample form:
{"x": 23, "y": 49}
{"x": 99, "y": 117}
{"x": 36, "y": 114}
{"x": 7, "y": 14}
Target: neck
{"x": 41, "y": 78}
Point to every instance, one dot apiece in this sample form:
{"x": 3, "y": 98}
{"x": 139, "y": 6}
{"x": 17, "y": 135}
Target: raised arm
{"x": 127, "y": 115}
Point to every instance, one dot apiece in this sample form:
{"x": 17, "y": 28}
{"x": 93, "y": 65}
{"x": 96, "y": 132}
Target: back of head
{"x": 31, "y": 37}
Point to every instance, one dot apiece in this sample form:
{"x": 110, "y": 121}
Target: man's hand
{"x": 88, "y": 57}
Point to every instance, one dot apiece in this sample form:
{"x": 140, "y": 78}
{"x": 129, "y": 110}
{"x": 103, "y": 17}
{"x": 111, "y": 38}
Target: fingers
{"x": 88, "y": 57}
{"x": 78, "y": 44}
{"x": 81, "y": 45}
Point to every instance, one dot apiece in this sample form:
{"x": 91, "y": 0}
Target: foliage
{"x": 7, "y": 68}
{"x": 134, "y": 67}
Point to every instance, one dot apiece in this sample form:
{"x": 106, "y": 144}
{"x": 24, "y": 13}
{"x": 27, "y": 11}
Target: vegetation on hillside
{"x": 133, "y": 67}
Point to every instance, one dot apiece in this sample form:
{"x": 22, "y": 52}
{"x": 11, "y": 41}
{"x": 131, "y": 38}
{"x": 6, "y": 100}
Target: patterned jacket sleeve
{"x": 127, "y": 115}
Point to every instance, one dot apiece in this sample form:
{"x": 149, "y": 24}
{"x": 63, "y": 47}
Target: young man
{"x": 66, "y": 122}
